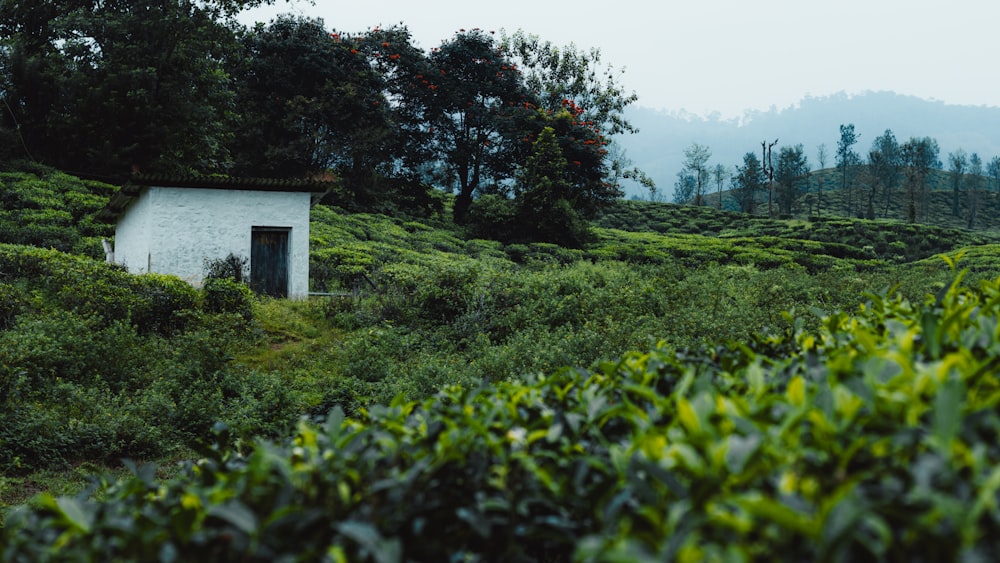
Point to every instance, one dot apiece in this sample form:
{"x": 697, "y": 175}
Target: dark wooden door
{"x": 269, "y": 261}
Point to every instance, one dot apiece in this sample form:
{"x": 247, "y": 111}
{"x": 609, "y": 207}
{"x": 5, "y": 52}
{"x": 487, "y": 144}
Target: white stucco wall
{"x": 175, "y": 230}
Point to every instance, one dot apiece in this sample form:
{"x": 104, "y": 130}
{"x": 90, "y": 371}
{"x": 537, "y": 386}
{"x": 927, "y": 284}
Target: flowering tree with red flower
{"x": 578, "y": 82}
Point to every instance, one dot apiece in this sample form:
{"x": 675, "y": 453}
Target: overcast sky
{"x": 728, "y": 56}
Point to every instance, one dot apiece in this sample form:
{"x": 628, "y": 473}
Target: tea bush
{"x": 872, "y": 437}
{"x": 97, "y": 364}
{"x": 49, "y": 209}
{"x": 224, "y": 295}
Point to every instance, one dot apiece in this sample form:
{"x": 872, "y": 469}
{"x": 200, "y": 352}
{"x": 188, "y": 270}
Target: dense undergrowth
{"x": 773, "y": 415}
{"x": 872, "y": 437}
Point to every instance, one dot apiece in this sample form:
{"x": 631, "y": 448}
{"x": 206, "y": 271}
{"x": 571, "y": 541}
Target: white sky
{"x": 728, "y": 56}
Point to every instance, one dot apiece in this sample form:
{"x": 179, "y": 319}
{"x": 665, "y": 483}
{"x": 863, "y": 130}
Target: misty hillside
{"x": 658, "y": 147}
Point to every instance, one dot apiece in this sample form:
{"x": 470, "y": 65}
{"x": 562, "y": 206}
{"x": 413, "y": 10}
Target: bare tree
{"x": 821, "y": 156}
{"x": 768, "y": 166}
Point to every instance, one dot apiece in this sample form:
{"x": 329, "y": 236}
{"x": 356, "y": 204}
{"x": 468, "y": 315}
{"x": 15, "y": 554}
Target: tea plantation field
{"x": 692, "y": 385}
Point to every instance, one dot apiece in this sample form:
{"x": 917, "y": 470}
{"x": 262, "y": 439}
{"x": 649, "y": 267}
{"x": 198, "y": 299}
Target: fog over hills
{"x": 658, "y": 148}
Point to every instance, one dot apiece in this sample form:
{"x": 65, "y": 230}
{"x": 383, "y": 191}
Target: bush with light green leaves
{"x": 871, "y": 438}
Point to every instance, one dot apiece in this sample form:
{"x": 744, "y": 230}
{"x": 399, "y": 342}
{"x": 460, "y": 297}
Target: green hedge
{"x": 871, "y": 438}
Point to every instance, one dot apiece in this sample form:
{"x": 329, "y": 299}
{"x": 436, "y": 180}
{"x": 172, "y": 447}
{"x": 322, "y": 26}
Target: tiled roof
{"x": 130, "y": 190}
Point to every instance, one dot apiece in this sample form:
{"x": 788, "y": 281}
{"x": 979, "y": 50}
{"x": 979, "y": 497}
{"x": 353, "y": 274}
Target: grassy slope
{"x": 429, "y": 308}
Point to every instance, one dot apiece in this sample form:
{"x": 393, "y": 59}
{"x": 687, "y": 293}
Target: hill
{"x": 659, "y": 146}
{"x": 692, "y": 382}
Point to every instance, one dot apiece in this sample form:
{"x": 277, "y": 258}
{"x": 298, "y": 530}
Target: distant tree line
{"x": 103, "y": 89}
{"x": 892, "y": 173}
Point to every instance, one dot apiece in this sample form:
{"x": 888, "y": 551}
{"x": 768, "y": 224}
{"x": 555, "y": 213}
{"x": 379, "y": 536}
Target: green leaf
{"x": 334, "y": 422}
{"x": 796, "y": 392}
{"x": 739, "y": 450}
{"x": 383, "y": 550}
{"x": 771, "y": 510}
{"x": 948, "y": 411}
{"x": 74, "y": 514}
{"x": 237, "y": 514}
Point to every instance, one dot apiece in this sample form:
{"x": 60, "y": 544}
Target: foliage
{"x": 870, "y": 438}
{"x": 50, "y": 209}
{"x": 105, "y": 87}
{"x": 97, "y": 364}
{"x": 885, "y": 161}
{"x": 888, "y": 240}
{"x": 545, "y": 199}
{"x": 920, "y": 156}
{"x": 225, "y": 295}
{"x": 792, "y": 176}
{"x": 696, "y": 167}
{"x": 748, "y": 182}
{"x": 310, "y": 103}
{"x": 475, "y": 100}
{"x": 231, "y": 267}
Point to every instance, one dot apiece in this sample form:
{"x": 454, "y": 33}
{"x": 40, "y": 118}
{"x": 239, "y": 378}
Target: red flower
{"x": 385, "y": 43}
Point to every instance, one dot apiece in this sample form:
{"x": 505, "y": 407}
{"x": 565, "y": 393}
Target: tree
{"x": 884, "y": 163}
{"x": 101, "y": 88}
{"x": 544, "y": 196}
{"x": 846, "y": 160}
{"x": 920, "y": 155}
{"x": 684, "y": 188}
{"x": 307, "y": 100}
{"x": 696, "y": 165}
{"x": 556, "y": 74}
{"x": 622, "y": 168}
{"x": 568, "y": 81}
{"x": 477, "y": 108}
{"x": 748, "y": 182}
{"x": 974, "y": 183}
{"x": 957, "y": 164}
{"x": 315, "y": 101}
{"x": 720, "y": 173}
{"x": 993, "y": 169}
{"x": 792, "y": 175}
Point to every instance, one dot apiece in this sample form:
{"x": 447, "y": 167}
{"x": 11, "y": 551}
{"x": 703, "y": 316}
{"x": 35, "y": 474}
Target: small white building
{"x": 175, "y": 226}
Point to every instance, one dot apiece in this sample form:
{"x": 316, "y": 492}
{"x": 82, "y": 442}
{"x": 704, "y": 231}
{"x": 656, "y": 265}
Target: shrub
{"x": 232, "y": 267}
{"x": 872, "y": 437}
{"x": 11, "y": 305}
{"x": 224, "y": 295}
{"x": 161, "y": 303}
